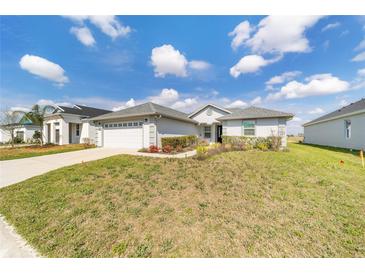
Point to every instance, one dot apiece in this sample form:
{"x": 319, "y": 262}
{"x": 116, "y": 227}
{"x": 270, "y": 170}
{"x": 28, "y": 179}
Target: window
{"x": 125, "y": 124}
{"x": 77, "y": 130}
{"x": 207, "y": 132}
{"x": 141, "y": 123}
{"x": 135, "y": 124}
{"x": 56, "y": 123}
{"x": 248, "y": 128}
{"x": 130, "y": 124}
{"x": 20, "y": 135}
{"x": 106, "y": 125}
{"x": 348, "y": 129}
{"x": 115, "y": 125}
{"x": 120, "y": 125}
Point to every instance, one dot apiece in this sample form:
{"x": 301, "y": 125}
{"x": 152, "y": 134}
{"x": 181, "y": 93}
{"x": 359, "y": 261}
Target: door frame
{"x": 218, "y": 133}
{"x": 57, "y": 136}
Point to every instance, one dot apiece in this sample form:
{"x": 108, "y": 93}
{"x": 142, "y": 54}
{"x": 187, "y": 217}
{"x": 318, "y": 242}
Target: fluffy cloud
{"x": 43, "y": 68}
{"x": 19, "y": 109}
{"x": 249, "y": 64}
{"x": 256, "y": 101}
{"x": 167, "y": 96}
{"x": 199, "y": 65}
{"x": 282, "y": 78}
{"x": 361, "y": 45}
{"x": 361, "y": 72}
{"x": 360, "y": 57}
{"x": 84, "y": 35}
{"x": 281, "y": 34}
{"x": 331, "y": 26}
{"x": 185, "y": 104}
{"x": 316, "y": 111}
{"x": 236, "y": 104}
{"x": 108, "y": 24}
{"x": 319, "y": 84}
{"x": 167, "y": 60}
{"x": 240, "y": 34}
{"x": 130, "y": 103}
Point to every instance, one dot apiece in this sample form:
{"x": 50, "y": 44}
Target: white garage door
{"x": 123, "y": 137}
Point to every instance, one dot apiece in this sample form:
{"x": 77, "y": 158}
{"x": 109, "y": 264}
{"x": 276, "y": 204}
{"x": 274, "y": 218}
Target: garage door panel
{"x": 123, "y": 137}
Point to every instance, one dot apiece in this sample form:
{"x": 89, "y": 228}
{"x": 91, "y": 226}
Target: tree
{"x": 37, "y": 116}
{"x": 10, "y": 121}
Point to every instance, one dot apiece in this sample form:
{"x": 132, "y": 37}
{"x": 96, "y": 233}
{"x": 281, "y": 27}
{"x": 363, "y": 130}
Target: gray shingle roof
{"x": 82, "y": 111}
{"x": 254, "y": 112}
{"x": 146, "y": 109}
{"x": 357, "y": 106}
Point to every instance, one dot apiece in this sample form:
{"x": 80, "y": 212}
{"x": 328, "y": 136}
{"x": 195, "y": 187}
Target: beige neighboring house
{"x": 343, "y": 128}
{"x": 71, "y": 125}
{"x": 144, "y": 125}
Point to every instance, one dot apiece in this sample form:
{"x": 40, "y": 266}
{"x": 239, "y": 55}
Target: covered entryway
{"x": 123, "y": 137}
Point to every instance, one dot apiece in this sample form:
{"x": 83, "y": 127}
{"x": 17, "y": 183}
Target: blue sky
{"x": 304, "y": 65}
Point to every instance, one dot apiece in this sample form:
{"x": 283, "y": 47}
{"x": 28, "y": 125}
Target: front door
{"x": 57, "y": 136}
{"x": 69, "y": 133}
{"x": 219, "y": 133}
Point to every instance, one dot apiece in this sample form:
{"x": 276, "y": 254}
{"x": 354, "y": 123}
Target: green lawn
{"x": 36, "y": 150}
{"x": 302, "y": 203}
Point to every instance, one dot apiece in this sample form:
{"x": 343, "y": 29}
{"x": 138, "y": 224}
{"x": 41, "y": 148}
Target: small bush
{"x": 37, "y": 136}
{"x": 167, "y": 149}
{"x": 183, "y": 141}
{"x": 263, "y": 146}
{"x": 18, "y": 140}
{"x": 179, "y": 148}
{"x": 143, "y": 149}
{"x": 153, "y": 149}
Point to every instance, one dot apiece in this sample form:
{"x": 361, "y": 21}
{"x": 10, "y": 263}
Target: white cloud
{"x": 361, "y": 45}
{"x": 343, "y": 103}
{"x": 43, "y": 68}
{"x": 236, "y": 104}
{"x": 130, "y": 103}
{"x": 19, "y": 109}
{"x": 199, "y": 65}
{"x": 250, "y": 64}
{"x": 166, "y": 97}
{"x": 84, "y": 35}
{"x": 296, "y": 119}
{"x": 256, "y": 101}
{"x": 108, "y": 24}
{"x": 185, "y": 104}
{"x": 331, "y": 26}
{"x": 316, "y": 111}
{"x": 360, "y": 57}
{"x": 315, "y": 85}
{"x": 280, "y": 34}
{"x": 240, "y": 34}
{"x": 167, "y": 60}
{"x": 282, "y": 78}
{"x": 361, "y": 72}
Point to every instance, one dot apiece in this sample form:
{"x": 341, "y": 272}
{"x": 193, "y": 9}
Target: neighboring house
{"x": 344, "y": 128}
{"x": 24, "y": 130}
{"x": 71, "y": 125}
{"x": 145, "y": 124}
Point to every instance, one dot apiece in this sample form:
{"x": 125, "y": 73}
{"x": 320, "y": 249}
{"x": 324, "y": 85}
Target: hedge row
{"x": 182, "y": 141}
{"x": 272, "y": 142}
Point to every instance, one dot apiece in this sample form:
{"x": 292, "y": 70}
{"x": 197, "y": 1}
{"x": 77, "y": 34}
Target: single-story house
{"x": 144, "y": 125}
{"x": 71, "y": 125}
{"x": 343, "y": 128}
{"x": 24, "y": 130}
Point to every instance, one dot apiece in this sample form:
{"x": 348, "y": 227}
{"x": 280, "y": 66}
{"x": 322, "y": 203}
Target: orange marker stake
{"x": 362, "y": 158}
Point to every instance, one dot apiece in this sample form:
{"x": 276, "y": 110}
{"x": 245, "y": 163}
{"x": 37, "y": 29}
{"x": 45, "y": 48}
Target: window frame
{"x": 209, "y": 131}
{"x": 244, "y": 128}
{"x": 77, "y": 130}
{"x": 347, "y": 124}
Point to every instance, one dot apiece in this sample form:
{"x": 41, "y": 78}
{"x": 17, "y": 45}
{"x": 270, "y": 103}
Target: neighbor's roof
{"x": 81, "y": 110}
{"x": 146, "y": 109}
{"x": 254, "y": 112}
{"x": 347, "y": 110}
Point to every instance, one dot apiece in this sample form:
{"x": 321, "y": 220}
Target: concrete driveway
{"x": 15, "y": 171}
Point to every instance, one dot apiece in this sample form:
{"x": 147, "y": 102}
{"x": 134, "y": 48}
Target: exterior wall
{"x": 28, "y": 130}
{"x": 88, "y": 130}
{"x": 332, "y": 133}
{"x": 203, "y": 118}
{"x": 62, "y": 126}
{"x": 263, "y": 128}
{"x": 4, "y": 136}
{"x": 170, "y": 127}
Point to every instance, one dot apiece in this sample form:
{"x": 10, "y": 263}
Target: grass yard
{"x": 302, "y": 203}
{"x": 36, "y": 150}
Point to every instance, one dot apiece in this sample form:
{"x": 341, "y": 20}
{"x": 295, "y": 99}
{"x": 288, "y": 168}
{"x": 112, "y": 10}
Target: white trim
{"x": 76, "y": 106}
{"x": 335, "y": 118}
{"x": 60, "y": 108}
{"x": 202, "y": 108}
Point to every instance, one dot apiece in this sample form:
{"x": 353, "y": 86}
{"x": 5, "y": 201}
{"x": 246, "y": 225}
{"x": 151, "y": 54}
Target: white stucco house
{"x": 144, "y": 125}
{"x": 24, "y": 130}
{"x": 70, "y": 125}
{"x": 343, "y": 128}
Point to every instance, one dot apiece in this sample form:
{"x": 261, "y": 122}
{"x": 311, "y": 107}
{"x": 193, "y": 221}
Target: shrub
{"x": 179, "y": 148}
{"x": 18, "y": 140}
{"x": 262, "y": 146}
{"x": 143, "y": 149}
{"x": 275, "y": 142}
{"x": 153, "y": 149}
{"x": 183, "y": 141}
{"x": 201, "y": 152}
{"x": 167, "y": 149}
{"x": 247, "y": 143}
{"x": 37, "y": 136}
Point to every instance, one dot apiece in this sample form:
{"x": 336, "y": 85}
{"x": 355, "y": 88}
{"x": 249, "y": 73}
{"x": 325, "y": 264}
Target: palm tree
{"x": 37, "y": 115}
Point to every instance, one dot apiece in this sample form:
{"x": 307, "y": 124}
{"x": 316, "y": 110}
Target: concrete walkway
{"x": 12, "y": 245}
{"x": 14, "y": 171}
